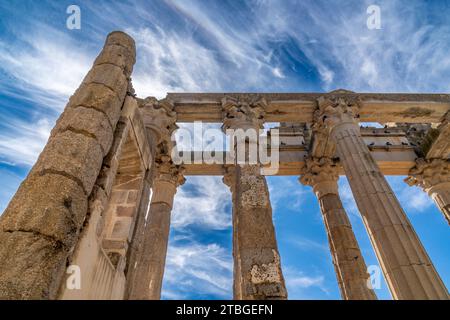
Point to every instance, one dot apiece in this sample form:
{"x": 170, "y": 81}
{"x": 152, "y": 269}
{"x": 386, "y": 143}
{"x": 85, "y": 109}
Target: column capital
{"x": 169, "y": 172}
{"x": 159, "y": 117}
{"x": 321, "y": 174}
{"x": 335, "y": 108}
{"x": 429, "y": 174}
{"x": 244, "y": 112}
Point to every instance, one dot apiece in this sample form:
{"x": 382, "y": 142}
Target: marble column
{"x": 407, "y": 268}
{"x": 434, "y": 177}
{"x": 150, "y": 266}
{"x": 257, "y": 267}
{"x": 351, "y": 270}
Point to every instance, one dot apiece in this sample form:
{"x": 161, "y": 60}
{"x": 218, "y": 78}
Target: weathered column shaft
{"x": 351, "y": 269}
{"x": 150, "y": 266}
{"x": 433, "y": 176}
{"x": 40, "y": 227}
{"x": 408, "y": 270}
{"x": 160, "y": 121}
{"x": 257, "y": 266}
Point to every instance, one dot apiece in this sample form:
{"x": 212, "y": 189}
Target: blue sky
{"x": 216, "y": 46}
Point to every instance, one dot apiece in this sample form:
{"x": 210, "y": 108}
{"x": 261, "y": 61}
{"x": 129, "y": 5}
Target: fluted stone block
{"x": 349, "y": 264}
{"x": 409, "y": 271}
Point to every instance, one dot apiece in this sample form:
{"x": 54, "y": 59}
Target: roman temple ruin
{"x": 101, "y": 192}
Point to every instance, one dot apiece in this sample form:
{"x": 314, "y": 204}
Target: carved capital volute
{"x": 321, "y": 174}
{"x": 430, "y": 174}
{"x": 337, "y": 107}
{"x": 159, "y": 117}
{"x": 169, "y": 172}
{"x": 243, "y": 112}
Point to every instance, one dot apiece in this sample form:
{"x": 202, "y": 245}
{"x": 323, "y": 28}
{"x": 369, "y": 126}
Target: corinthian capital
{"x": 243, "y": 112}
{"x": 429, "y": 173}
{"x": 168, "y": 171}
{"x": 335, "y": 108}
{"x": 160, "y": 117}
{"x": 319, "y": 170}
{"x": 321, "y": 174}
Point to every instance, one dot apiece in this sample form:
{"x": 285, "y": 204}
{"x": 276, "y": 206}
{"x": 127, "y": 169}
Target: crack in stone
{"x": 84, "y": 133}
{"x": 55, "y": 241}
{"x": 66, "y": 175}
{"x": 108, "y": 87}
{"x": 114, "y": 65}
{"x": 96, "y": 109}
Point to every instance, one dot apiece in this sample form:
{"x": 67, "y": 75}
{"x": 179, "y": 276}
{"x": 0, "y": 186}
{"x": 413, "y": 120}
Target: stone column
{"x": 40, "y": 227}
{"x": 351, "y": 270}
{"x": 408, "y": 270}
{"x": 257, "y": 267}
{"x": 160, "y": 121}
{"x": 150, "y": 266}
{"x": 434, "y": 177}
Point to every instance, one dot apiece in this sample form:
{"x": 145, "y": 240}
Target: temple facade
{"x": 101, "y": 192}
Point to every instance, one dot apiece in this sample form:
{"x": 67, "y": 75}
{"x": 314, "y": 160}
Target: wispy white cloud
{"x": 42, "y": 67}
{"x": 413, "y": 199}
{"x": 203, "y": 269}
{"x": 45, "y": 63}
{"x": 9, "y": 181}
{"x": 311, "y": 245}
{"x": 348, "y": 201}
{"x": 293, "y": 199}
{"x": 21, "y": 141}
{"x": 298, "y": 283}
{"x": 203, "y": 202}
{"x": 170, "y": 62}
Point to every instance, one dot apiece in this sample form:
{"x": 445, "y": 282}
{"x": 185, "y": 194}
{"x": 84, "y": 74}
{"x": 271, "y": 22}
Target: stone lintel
{"x": 300, "y": 107}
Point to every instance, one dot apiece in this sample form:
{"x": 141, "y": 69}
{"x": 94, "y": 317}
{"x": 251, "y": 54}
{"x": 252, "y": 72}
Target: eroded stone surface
{"x": 51, "y": 205}
{"x": 40, "y": 227}
{"x": 31, "y": 265}
{"x": 74, "y": 154}
{"x": 254, "y": 188}
{"x": 396, "y": 244}
{"x": 267, "y": 273}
